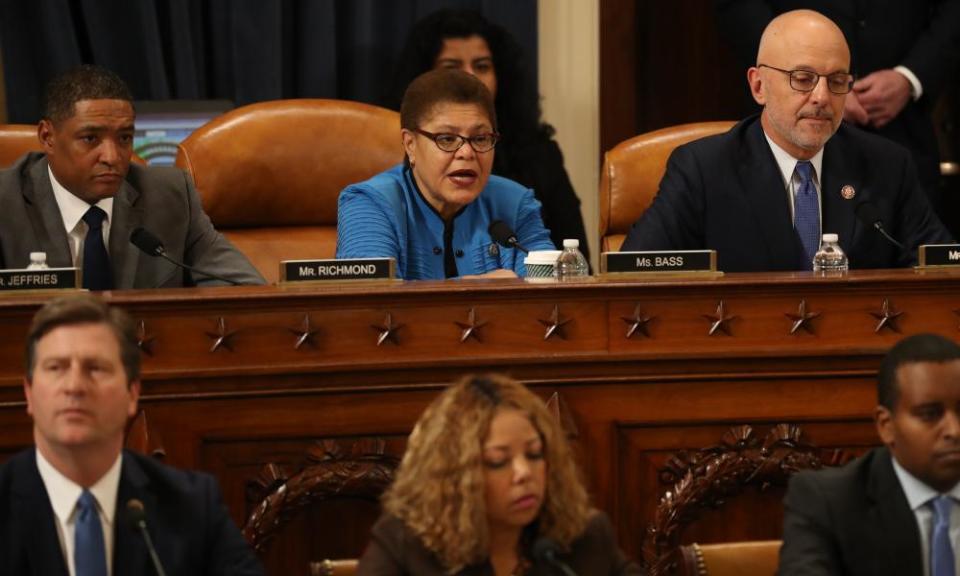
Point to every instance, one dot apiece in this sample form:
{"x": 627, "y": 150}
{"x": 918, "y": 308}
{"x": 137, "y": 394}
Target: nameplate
{"x": 939, "y": 255}
{"x": 45, "y": 279}
{"x": 337, "y": 270}
{"x": 658, "y": 261}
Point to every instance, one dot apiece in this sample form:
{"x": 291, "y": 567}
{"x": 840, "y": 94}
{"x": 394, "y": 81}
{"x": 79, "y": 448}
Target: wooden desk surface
{"x": 237, "y": 378}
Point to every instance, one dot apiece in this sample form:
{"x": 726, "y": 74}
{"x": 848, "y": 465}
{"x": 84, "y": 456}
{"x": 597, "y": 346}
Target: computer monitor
{"x": 162, "y": 124}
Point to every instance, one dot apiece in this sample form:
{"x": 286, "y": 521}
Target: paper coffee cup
{"x": 542, "y": 263}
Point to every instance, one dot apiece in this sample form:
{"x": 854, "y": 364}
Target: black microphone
{"x": 868, "y": 213}
{"x": 545, "y": 551}
{"x": 152, "y": 246}
{"x": 504, "y": 236}
{"x": 137, "y": 517}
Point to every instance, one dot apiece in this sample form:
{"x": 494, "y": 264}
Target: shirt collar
{"x": 788, "y": 164}
{"x": 72, "y": 208}
{"x": 64, "y": 492}
{"x": 919, "y": 494}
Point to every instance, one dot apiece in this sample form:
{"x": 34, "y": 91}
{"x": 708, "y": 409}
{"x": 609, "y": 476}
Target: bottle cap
{"x": 38, "y": 256}
{"x": 571, "y": 243}
{"x": 830, "y": 238}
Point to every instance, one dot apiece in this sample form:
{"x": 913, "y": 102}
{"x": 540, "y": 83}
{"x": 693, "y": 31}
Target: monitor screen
{"x": 162, "y": 124}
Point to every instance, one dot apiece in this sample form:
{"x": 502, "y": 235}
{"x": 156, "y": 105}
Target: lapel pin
{"x": 494, "y": 250}
{"x": 848, "y": 192}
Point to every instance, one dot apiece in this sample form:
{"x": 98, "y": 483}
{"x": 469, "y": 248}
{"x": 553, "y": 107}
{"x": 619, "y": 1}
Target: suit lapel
{"x": 130, "y": 552}
{"x": 839, "y": 170}
{"x": 45, "y": 218}
{"x": 764, "y": 187}
{"x": 892, "y": 531}
{"x": 127, "y": 216}
{"x": 34, "y": 513}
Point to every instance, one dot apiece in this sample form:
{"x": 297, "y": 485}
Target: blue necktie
{"x": 941, "y": 552}
{"x": 96, "y": 264}
{"x": 89, "y": 551}
{"x": 806, "y": 213}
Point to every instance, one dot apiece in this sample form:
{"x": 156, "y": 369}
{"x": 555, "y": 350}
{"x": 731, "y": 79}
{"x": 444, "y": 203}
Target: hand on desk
{"x": 501, "y": 273}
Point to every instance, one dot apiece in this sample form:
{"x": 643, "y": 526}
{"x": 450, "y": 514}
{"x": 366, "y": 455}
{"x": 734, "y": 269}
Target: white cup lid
{"x": 542, "y": 257}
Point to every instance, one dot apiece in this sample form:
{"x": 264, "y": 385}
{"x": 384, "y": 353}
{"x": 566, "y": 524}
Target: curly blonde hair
{"x": 439, "y": 488}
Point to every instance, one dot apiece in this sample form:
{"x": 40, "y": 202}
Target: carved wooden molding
{"x": 363, "y": 471}
{"x": 143, "y": 438}
{"x": 707, "y": 478}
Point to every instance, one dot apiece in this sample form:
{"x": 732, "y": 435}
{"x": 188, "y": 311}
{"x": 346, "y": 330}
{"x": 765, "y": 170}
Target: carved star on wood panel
{"x": 471, "y": 328}
{"x": 144, "y": 340}
{"x": 388, "y": 330}
{"x": 720, "y": 321}
{"x": 222, "y": 338}
{"x": 554, "y": 325}
{"x": 638, "y": 323}
{"x": 304, "y": 334}
{"x": 886, "y": 317}
{"x": 802, "y": 319}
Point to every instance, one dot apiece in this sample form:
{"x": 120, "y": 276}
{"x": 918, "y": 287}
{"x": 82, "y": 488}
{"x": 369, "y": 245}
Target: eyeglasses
{"x": 806, "y": 80}
{"x": 452, "y": 142}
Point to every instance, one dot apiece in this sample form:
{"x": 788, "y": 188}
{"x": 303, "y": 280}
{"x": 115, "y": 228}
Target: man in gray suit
{"x": 80, "y": 200}
{"x": 894, "y": 510}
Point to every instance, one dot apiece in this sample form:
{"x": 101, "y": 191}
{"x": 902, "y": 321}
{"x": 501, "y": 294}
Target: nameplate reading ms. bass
{"x": 939, "y": 255}
{"x": 40, "y": 279}
{"x": 337, "y": 270}
{"x": 658, "y": 261}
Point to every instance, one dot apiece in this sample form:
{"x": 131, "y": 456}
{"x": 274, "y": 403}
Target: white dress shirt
{"x": 72, "y": 210}
{"x": 64, "y": 494}
{"x": 918, "y": 497}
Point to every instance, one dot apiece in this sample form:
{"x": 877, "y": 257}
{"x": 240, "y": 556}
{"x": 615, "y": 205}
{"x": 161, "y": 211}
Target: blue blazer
{"x": 387, "y": 216}
{"x": 726, "y": 193}
{"x": 186, "y": 518}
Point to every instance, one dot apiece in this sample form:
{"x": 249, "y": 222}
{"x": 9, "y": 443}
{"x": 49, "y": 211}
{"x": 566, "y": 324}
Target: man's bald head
{"x": 801, "y": 79}
{"x": 800, "y": 28}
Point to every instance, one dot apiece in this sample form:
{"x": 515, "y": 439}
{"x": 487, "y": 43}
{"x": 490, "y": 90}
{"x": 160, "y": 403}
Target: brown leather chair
{"x": 269, "y": 174}
{"x": 18, "y": 139}
{"x": 333, "y": 568}
{"x": 755, "y": 558}
{"x": 631, "y": 176}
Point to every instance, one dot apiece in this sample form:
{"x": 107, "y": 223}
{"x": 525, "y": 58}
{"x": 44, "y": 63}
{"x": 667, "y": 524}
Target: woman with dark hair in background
{"x": 526, "y": 151}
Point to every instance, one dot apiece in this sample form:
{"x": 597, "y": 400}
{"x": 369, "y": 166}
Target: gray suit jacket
{"x": 853, "y": 520}
{"x": 162, "y": 200}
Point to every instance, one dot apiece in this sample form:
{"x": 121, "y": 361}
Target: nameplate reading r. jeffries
{"x": 337, "y": 270}
{"x": 40, "y": 279}
{"x": 658, "y": 261}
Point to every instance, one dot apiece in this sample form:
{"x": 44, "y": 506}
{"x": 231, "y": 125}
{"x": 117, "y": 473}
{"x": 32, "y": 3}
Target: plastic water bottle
{"x": 571, "y": 263}
{"x": 830, "y": 258}
{"x": 38, "y": 261}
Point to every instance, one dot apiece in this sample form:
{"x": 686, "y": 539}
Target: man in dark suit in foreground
{"x": 80, "y": 200}
{"x": 762, "y": 194}
{"x": 895, "y": 510}
{"x": 64, "y": 505}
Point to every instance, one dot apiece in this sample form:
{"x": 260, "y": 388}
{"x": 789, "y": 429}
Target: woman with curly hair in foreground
{"x": 488, "y": 477}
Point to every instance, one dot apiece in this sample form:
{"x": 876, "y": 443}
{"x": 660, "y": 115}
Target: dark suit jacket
{"x": 162, "y": 200}
{"x": 923, "y": 35}
{"x": 853, "y": 521}
{"x": 394, "y": 550}
{"x": 726, "y": 193}
{"x": 186, "y": 518}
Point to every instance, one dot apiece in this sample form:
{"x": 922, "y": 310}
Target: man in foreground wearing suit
{"x": 762, "y": 194}
{"x": 64, "y": 505}
{"x": 80, "y": 200}
{"x": 894, "y": 510}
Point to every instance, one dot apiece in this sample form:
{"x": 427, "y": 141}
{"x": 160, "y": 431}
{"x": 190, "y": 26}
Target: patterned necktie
{"x": 806, "y": 213}
{"x": 96, "y": 264}
{"x": 89, "y": 551}
{"x": 941, "y": 552}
